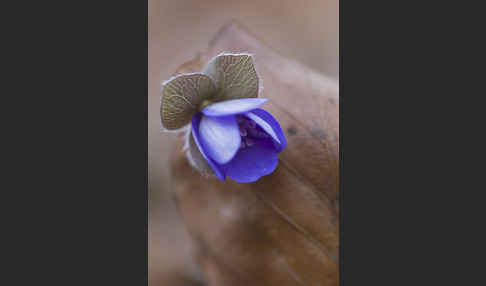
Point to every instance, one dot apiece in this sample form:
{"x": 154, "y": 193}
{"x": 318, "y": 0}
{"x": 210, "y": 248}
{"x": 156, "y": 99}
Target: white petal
{"x": 231, "y": 107}
{"x": 264, "y": 125}
{"x": 220, "y": 137}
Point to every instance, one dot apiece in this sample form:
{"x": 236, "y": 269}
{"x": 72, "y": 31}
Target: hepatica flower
{"x": 229, "y": 134}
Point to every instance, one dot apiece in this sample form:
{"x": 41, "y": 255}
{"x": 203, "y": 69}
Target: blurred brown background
{"x": 305, "y": 30}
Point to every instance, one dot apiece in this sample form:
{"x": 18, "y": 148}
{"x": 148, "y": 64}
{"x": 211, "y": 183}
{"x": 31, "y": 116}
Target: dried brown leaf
{"x": 282, "y": 229}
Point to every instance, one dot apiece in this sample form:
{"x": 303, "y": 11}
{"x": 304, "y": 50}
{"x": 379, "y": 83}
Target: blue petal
{"x": 234, "y": 106}
{"x": 220, "y": 137}
{"x": 252, "y": 162}
{"x": 270, "y": 125}
{"x": 195, "y": 133}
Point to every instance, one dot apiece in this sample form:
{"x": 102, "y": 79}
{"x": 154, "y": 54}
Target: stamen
{"x": 257, "y": 133}
{"x": 243, "y": 132}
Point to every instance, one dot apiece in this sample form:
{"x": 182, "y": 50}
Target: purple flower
{"x": 231, "y": 135}
{"x": 238, "y": 139}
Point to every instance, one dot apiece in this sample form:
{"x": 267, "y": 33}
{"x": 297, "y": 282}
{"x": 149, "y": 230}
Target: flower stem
{"x": 204, "y": 104}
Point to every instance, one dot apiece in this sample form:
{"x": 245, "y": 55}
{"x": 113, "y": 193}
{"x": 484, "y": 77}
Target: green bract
{"x": 227, "y": 76}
